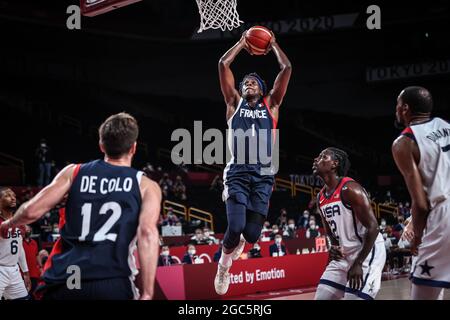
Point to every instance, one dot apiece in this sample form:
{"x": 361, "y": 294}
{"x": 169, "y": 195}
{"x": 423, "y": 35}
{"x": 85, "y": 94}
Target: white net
{"x": 218, "y": 14}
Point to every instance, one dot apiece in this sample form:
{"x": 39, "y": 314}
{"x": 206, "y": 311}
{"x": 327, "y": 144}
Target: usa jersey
{"x": 250, "y": 137}
{"x": 98, "y": 229}
{"x": 433, "y": 140}
{"x": 11, "y": 247}
{"x": 343, "y": 223}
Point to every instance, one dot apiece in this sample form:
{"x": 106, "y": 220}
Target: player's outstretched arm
{"x": 280, "y": 85}
{"x": 406, "y": 154}
{"x": 226, "y": 77}
{"x": 356, "y": 197}
{"x": 148, "y": 235}
{"x": 45, "y": 200}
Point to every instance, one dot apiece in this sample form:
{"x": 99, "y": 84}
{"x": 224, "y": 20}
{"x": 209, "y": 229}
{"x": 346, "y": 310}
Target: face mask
{"x": 305, "y": 215}
{"x": 206, "y": 234}
{"x": 275, "y": 230}
{"x": 291, "y": 225}
{"x": 256, "y": 248}
{"x": 383, "y": 223}
{"x": 277, "y": 240}
{"x": 165, "y": 253}
{"x": 384, "y": 236}
{"x": 312, "y": 225}
{"x": 56, "y": 230}
{"x": 191, "y": 252}
{"x": 47, "y": 215}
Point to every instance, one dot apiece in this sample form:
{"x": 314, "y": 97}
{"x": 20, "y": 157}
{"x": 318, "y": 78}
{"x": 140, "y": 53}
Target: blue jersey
{"x": 98, "y": 230}
{"x": 251, "y": 133}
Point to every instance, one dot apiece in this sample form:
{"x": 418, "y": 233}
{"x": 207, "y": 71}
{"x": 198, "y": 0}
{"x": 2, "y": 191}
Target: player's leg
{"x": 326, "y": 292}
{"x": 4, "y": 280}
{"x": 236, "y": 214}
{"x": 16, "y": 289}
{"x": 253, "y": 226}
{"x": 332, "y": 283}
{"x": 419, "y": 292}
{"x": 431, "y": 267}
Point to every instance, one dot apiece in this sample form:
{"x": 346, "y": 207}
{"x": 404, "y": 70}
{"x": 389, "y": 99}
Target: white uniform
{"x": 12, "y": 255}
{"x": 432, "y": 265}
{"x": 349, "y": 231}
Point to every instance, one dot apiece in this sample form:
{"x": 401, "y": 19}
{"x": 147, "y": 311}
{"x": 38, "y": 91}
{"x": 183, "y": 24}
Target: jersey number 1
{"x": 102, "y": 234}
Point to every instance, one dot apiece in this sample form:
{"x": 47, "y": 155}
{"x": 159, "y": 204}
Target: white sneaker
{"x": 222, "y": 280}
{"x": 238, "y": 250}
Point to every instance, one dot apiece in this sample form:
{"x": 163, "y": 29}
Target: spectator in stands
{"x": 198, "y": 237}
{"x": 400, "y": 225}
{"x": 165, "y": 259}
{"x": 275, "y": 231}
{"x": 30, "y": 247}
{"x": 277, "y": 249}
{"x": 44, "y": 158}
{"x": 41, "y": 260}
{"x": 179, "y": 189}
{"x": 54, "y": 235}
{"x": 255, "y": 252}
{"x": 383, "y": 226}
{"x": 166, "y": 185}
{"x": 304, "y": 220}
{"x": 407, "y": 211}
{"x": 290, "y": 231}
{"x": 266, "y": 227}
{"x": 208, "y": 238}
{"x": 217, "y": 184}
{"x": 170, "y": 219}
{"x": 148, "y": 170}
{"x": 189, "y": 256}
{"x": 282, "y": 219}
{"x": 46, "y": 226}
{"x": 313, "y": 231}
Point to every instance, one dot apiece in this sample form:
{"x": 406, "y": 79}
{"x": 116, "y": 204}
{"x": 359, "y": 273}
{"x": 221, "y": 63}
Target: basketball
{"x": 258, "y": 39}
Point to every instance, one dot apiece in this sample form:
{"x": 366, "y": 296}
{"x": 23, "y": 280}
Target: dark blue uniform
{"x": 249, "y": 175}
{"x": 99, "y": 233}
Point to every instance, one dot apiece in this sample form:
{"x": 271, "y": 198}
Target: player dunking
{"x": 12, "y": 254}
{"x": 109, "y": 207}
{"x": 422, "y": 154}
{"x": 356, "y": 248}
{"x": 247, "y": 189}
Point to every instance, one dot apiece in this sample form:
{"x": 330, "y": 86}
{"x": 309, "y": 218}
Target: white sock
{"x": 225, "y": 259}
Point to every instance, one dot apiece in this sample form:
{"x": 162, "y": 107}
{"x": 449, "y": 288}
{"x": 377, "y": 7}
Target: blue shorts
{"x": 250, "y": 189}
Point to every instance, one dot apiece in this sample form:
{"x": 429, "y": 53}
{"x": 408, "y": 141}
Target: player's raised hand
{"x": 244, "y": 43}
{"x": 335, "y": 253}
{"x": 273, "y": 40}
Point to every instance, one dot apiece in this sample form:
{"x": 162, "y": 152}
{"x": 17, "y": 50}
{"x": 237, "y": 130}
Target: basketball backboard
{"x": 92, "y": 8}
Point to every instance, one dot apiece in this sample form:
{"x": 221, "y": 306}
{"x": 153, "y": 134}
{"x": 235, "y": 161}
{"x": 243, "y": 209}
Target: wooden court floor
{"x": 398, "y": 289}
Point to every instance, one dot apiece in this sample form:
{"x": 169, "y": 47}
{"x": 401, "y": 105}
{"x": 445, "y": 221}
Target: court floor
{"x": 398, "y": 289}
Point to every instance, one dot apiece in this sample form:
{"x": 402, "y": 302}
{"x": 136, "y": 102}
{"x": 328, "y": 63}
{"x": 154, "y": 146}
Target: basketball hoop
{"x": 218, "y": 14}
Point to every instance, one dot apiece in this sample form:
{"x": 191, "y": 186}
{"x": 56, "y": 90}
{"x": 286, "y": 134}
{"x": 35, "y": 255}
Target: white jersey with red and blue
{"x": 350, "y": 233}
{"x": 431, "y": 266}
